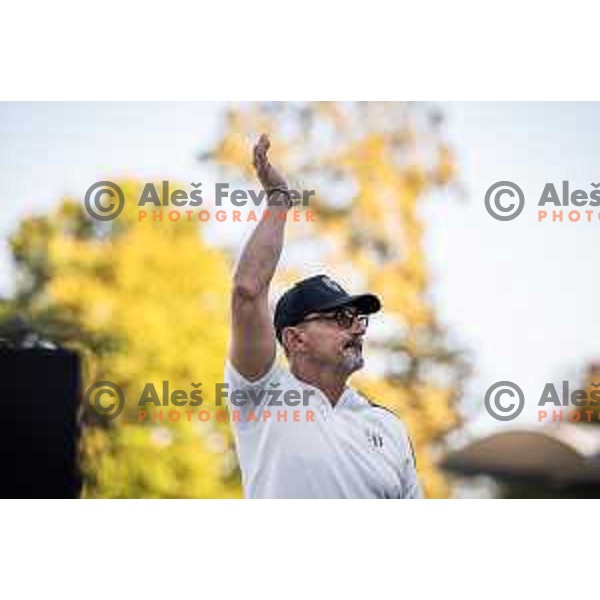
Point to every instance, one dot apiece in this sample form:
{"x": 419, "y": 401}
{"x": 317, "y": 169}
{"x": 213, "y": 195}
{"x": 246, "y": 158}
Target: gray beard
{"x": 353, "y": 362}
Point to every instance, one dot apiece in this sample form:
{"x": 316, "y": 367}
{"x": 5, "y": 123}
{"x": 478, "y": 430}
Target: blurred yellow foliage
{"x": 148, "y": 302}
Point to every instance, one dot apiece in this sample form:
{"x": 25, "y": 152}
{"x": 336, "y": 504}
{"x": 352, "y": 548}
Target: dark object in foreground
{"x": 39, "y": 403}
{"x": 535, "y": 464}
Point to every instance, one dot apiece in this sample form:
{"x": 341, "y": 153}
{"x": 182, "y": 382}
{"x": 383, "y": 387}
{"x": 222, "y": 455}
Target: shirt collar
{"x": 348, "y": 398}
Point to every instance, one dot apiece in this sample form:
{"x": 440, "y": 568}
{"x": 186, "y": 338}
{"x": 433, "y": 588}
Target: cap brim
{"x": 366, "y": 303}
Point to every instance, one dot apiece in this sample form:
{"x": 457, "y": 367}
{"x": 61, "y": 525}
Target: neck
{"x": 331, "y": 383}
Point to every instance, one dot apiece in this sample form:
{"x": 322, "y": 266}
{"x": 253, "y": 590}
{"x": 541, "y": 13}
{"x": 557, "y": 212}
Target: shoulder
{"x": 276, "y": 374}
{"x": 382, "y": 411}
{"x": 385, "y": 409}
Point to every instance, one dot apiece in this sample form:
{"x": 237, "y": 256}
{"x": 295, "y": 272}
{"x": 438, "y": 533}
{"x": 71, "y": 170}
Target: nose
{"x": 358, "y": 326}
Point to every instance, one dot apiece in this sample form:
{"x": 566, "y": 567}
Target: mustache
{"x": 354, "y": 342}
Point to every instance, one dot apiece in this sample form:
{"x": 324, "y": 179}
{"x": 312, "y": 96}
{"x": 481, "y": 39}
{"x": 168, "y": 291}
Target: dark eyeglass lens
{"x": 346, "y": 318}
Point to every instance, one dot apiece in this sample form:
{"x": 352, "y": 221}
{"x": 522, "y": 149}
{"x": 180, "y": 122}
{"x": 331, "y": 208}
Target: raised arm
{"x": 253, "y": 338}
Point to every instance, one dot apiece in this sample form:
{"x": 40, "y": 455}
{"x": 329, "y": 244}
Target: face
{"x": 332, "y": 339}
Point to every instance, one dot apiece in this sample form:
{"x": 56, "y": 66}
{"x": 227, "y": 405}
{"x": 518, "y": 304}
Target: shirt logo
{"x": 375, "y": 438}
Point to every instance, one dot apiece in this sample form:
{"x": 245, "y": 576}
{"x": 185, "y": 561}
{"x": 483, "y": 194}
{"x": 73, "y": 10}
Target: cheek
{"x": 324, "y": 343}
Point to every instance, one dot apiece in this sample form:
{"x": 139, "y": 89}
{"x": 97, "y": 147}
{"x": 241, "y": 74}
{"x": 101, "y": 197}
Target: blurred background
{"x": 468, "y": 300}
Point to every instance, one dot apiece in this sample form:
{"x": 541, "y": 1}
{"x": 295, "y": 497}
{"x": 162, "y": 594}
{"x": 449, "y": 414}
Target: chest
{"x": 354, "y": 446}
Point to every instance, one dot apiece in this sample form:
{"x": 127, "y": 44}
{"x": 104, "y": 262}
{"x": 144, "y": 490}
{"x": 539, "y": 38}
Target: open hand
{"x": 267, "y": 174}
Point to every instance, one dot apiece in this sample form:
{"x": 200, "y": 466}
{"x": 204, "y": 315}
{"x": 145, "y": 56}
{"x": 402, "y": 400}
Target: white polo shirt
{"x": 351, "y": 450}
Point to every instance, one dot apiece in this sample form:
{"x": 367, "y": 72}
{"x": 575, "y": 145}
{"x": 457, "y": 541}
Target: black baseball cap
{"x": 319, "y": 293}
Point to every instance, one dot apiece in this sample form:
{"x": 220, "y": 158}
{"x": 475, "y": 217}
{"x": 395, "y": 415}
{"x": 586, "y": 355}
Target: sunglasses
{"x": 343, "y": 317}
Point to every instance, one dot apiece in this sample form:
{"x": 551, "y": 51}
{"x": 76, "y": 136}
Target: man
{"x": 325, "y": 440}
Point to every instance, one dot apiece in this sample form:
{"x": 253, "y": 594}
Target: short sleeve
{"x": 411, "y": 488}
{"x": 409, "y": 482}
{"x": 238, "y": 381}
{"x": 253, "y": 391}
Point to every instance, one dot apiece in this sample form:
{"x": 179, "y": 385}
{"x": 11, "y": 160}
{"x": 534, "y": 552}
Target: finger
{"x": 264, "y": 142}
{"x": 260, "y": 165}
{"x": 260, "y": 152}
{"x": 263, "y": 147}
{"x": 256, "y": 157}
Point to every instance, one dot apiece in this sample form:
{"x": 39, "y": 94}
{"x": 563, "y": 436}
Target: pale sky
{"x": 521, "y": 296}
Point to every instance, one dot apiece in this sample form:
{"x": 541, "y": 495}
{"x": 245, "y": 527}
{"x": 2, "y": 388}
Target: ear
{"x": 292, "y": 337}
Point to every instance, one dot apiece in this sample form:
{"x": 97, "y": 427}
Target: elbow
{"x": 246, "y": 289}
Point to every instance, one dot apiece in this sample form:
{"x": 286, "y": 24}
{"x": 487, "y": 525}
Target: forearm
{"x": 261, "y": 254}
{"x": 253, "y": 339}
